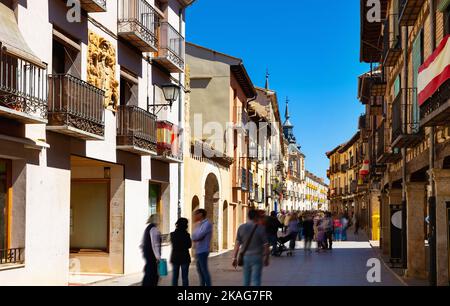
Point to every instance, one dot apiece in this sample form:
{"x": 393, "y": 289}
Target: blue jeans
{"x": 344, "y": 234}
{"x": 202, "y": 268}
{"x": 253, "y": 265}
{"x": 184, "y": 274}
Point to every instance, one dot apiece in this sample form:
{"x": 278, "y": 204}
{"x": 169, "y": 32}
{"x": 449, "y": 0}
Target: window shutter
{"x": 417, "y": 60}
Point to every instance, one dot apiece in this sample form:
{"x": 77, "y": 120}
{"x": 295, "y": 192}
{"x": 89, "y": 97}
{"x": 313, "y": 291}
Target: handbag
{"x": 162, "y": 268}
{"x": 247, "y": 244}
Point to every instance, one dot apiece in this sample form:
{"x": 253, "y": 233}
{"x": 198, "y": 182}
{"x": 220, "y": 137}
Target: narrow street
{"x": 344, "y": 266}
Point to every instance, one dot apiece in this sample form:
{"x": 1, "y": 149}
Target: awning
{"x": 443, "y": 5}
{"x": 11, "y": 38}
{"x": 434, "y": 72}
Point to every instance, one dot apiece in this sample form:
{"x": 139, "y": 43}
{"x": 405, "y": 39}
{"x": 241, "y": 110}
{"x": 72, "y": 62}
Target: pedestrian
{"x": 253, "y": 249}
{"x": 180, "y": 257}
{"x": 337, "y": 228}
{"x": 328, "y": 226}
{"x": 286, "y": 223}
{"x": 272, "y": 227}
{"x": 292, "y": 233}
{"x": 201, "y": 237}
{"x": 300, "y": 227}
{"x": 151, "y": 249}
{"x": 344, "y": 222}
{"x": 308, "y": 232}
{"x": 320, "y": 237}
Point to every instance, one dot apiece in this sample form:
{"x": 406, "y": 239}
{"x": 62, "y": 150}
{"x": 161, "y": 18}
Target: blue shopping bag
{"x": 162, "y": 268}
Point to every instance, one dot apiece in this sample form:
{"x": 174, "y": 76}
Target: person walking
{"x": 308, "y": 232}
{"x": 201, "y": 237}
{"x": 253, "y": 248}
{"x": 355, "y": 222}
{"x": 151, "y": 249}
{"x": 328, "y": 226}
{"x": 337, "y": 228}
{"x": 292, "y": 233}
{"x": 272, "y": 227}
{"x": 344, "y": 222}
{"x": 320, "y": 237}
{"x": 180, "y": 257}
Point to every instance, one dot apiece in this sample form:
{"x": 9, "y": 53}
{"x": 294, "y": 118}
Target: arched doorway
{"x": 225, "y": 225}
{"x": 212, "y": 197}
{"x": 195, "y": 205}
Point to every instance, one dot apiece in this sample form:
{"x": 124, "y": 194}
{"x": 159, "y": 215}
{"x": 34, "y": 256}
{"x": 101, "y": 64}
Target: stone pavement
{"x": 345, "y": 265}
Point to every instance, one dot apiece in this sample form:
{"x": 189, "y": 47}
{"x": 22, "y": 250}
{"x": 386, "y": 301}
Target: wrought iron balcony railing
{"x": 136, "y": 130}
{"x": 410, "y": 11}
{"x": 75, "y": 107}
{"x": 171, "y": 50}
{"x": 385, "y": 152}
{"x": 392, "y": 48}
{"x": 23, "y": 89}
{"x": 138, "y": 24}
{"x": 406, "y": 130}
{"x": 436, "y": 110}
{"x": 12, "y": 256}
{"x": 93, "y": 6}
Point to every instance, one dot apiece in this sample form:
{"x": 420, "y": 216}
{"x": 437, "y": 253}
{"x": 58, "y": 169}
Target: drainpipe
{"x": 404, "y": 127}
{"x": 180, "y": 116}
{"x": 432, "y": 195}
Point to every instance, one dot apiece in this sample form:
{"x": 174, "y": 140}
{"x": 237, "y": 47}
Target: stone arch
{"x": 212, "y": 200}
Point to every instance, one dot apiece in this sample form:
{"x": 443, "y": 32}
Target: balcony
{"x": 169, "y": 142}
{"x": 344, "y": 167}
{"x": 436, "y": 110}
{"x": 93, "y": 6}
{"x": 136, "y": 130}
{"x": 385, "y": 153}
{"x": 138, "y": 24}
{"x": 409, "y": 11}
{"x": 171, "y": 50}
{"x": 391, "y": 41}
{"x": 75, "y": 108}
{"x": 23, "y": 90}
{"x": 12, "y": 256}
{"x": 406, "y": 130}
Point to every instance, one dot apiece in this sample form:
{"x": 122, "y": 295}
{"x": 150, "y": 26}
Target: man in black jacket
{"x": 180, "y": 258}
{"x": 272, "y": 227}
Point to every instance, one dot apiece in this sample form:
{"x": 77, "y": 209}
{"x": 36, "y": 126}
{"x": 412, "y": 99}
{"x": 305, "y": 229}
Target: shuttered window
{"x": 417, "y": 61}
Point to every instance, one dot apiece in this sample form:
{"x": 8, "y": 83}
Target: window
{"x": 128, "y": 92}
{"x": 5, "y": 189}
{"x": 66, "y": 60}
{"x": 154, "y": 199}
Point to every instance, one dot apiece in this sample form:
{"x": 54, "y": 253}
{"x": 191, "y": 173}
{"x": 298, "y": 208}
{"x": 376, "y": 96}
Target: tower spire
{"x": 267, "y": 79}
{"x": 287, "y": 109}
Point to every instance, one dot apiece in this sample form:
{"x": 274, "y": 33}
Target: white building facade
{"x": 89, "y": 145}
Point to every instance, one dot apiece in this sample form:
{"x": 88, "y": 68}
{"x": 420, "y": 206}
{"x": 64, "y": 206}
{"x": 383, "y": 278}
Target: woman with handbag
{"x": 251, "y": 250}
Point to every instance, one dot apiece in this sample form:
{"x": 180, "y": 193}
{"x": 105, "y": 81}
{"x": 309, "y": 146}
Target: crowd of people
{"x": 258, "y": 239}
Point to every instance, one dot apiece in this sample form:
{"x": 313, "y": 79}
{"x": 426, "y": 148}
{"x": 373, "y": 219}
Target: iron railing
{"x": 12, "y": 256}
{"x": 391, "y": 38}
{"x": 140, "y": 17}
{"x": 172, "y": 45}
{"x": 405, "y": 117}
{"x": 136, "y": 127}
{"x": 435, "y": 111}
{"x": 23, "y": 85}
{"x": 76, "y": 103}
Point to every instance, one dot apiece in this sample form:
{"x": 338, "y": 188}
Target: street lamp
{"x": 171, "y": 93}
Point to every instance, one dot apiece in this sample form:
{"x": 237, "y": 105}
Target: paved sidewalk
{"x": 345, "y": 265}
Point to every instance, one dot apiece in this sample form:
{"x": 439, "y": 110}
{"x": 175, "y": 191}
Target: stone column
{"x": 416, "y": 201}
{"x": 385, "y": 221}
{"x": 442, "y": 183}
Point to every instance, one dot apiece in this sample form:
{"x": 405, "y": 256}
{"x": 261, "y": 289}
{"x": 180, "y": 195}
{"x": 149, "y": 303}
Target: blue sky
{"x": 312, "y": 52}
